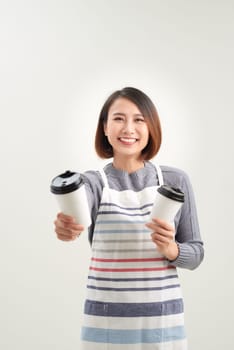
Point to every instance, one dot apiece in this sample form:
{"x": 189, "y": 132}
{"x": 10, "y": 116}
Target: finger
{"x": 68, "y": 225}
{"x": 68, "y": 236}
{"x": 65, "y": 239}
{"x": 151, "y": 226}
{"x": 161, "y": 239}
{"x": 60, "y": 224}
{"x": 67, "y": 232}
{"x": 161, "y": 231}
{"x": 71, "y": 226}
{"x": 161, "y": 246}
{"x": 65, "y": 218}
{"x": 166, "y": 225}
{"x": 75, "y": 227}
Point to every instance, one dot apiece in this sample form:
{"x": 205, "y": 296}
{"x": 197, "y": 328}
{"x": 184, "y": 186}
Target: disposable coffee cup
{"x": 167, "y": 203}
{"x": 69, "y": 190}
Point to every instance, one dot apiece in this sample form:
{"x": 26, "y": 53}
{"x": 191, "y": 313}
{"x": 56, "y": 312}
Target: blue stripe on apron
{"x": 122, "y": 336}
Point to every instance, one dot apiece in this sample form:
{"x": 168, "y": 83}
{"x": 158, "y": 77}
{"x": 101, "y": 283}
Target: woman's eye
{"x": 118, "y": 118}
{"x": 140, "y": 120}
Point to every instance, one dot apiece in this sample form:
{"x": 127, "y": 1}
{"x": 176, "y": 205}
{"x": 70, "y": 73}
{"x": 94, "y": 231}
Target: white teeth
{"x": 128, "y": 140}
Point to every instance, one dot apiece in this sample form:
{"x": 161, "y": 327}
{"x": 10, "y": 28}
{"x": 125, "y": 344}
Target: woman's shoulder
{"x": 175, "y": 177}
{"x": 171, "y": 171}
{"x": 92, "y": 175}
{"x": 93, "y": 178}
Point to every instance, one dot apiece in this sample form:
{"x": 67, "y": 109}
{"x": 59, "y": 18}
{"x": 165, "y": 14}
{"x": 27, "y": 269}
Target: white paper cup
{"x": 168, "y": 201}
{"x": 69, "y": 191}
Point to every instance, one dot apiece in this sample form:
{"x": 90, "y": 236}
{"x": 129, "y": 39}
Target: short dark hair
{"x": 149, "y": 111}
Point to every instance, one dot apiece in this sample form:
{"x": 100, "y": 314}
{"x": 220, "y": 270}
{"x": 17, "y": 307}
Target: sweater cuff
{"x": 184, "y": 258}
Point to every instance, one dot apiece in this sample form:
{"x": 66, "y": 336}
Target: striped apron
{"x": 134, "y": 300}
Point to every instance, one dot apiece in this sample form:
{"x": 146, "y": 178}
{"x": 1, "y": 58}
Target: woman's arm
{"x": 188, "y": 239}
{"x": 94, "y": 187}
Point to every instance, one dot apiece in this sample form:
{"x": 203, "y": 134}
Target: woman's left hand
{"x": 163, "y": 236}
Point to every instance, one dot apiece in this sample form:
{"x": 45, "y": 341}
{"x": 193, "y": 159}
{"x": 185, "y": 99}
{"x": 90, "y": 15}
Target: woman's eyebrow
{"x": 123, "y": 114}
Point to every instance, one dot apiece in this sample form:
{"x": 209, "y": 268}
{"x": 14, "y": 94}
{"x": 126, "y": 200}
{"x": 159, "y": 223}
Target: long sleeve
{"x": 191, "y": 251}
{"x": 93, "y": 186}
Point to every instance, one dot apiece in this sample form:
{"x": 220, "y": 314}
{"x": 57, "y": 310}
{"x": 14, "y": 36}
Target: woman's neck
{"x": 128, "y": 165}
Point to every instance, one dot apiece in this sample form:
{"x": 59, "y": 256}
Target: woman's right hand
{"x": 66, "y": 227}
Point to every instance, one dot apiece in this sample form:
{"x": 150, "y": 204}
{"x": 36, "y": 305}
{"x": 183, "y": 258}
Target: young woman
{"x": 134, "y": 299}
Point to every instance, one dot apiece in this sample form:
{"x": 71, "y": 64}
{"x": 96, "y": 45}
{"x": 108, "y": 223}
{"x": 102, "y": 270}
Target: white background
{"x": 59, "y": 61}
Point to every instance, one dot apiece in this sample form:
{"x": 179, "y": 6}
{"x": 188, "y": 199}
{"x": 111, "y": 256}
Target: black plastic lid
{"x": 171, "y": 192}
{"x": 66, "y": 182}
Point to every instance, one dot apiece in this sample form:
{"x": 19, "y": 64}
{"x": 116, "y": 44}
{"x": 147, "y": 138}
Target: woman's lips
{"x": 127, "y": 140}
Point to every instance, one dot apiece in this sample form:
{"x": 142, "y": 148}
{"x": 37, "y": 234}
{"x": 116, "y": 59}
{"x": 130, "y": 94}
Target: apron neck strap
{"x": 160, "y": 176}
{"x": 159, "y": 172}
{"x": 104, "y": 178}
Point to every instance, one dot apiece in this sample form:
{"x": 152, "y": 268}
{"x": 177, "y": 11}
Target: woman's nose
{"x": 128, "y": 127}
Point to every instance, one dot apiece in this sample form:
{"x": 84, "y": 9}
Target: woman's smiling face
{"x": 126, "y": 129}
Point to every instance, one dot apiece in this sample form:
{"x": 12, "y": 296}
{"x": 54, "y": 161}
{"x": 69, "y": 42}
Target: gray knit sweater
{"x": 187, "y": 236}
